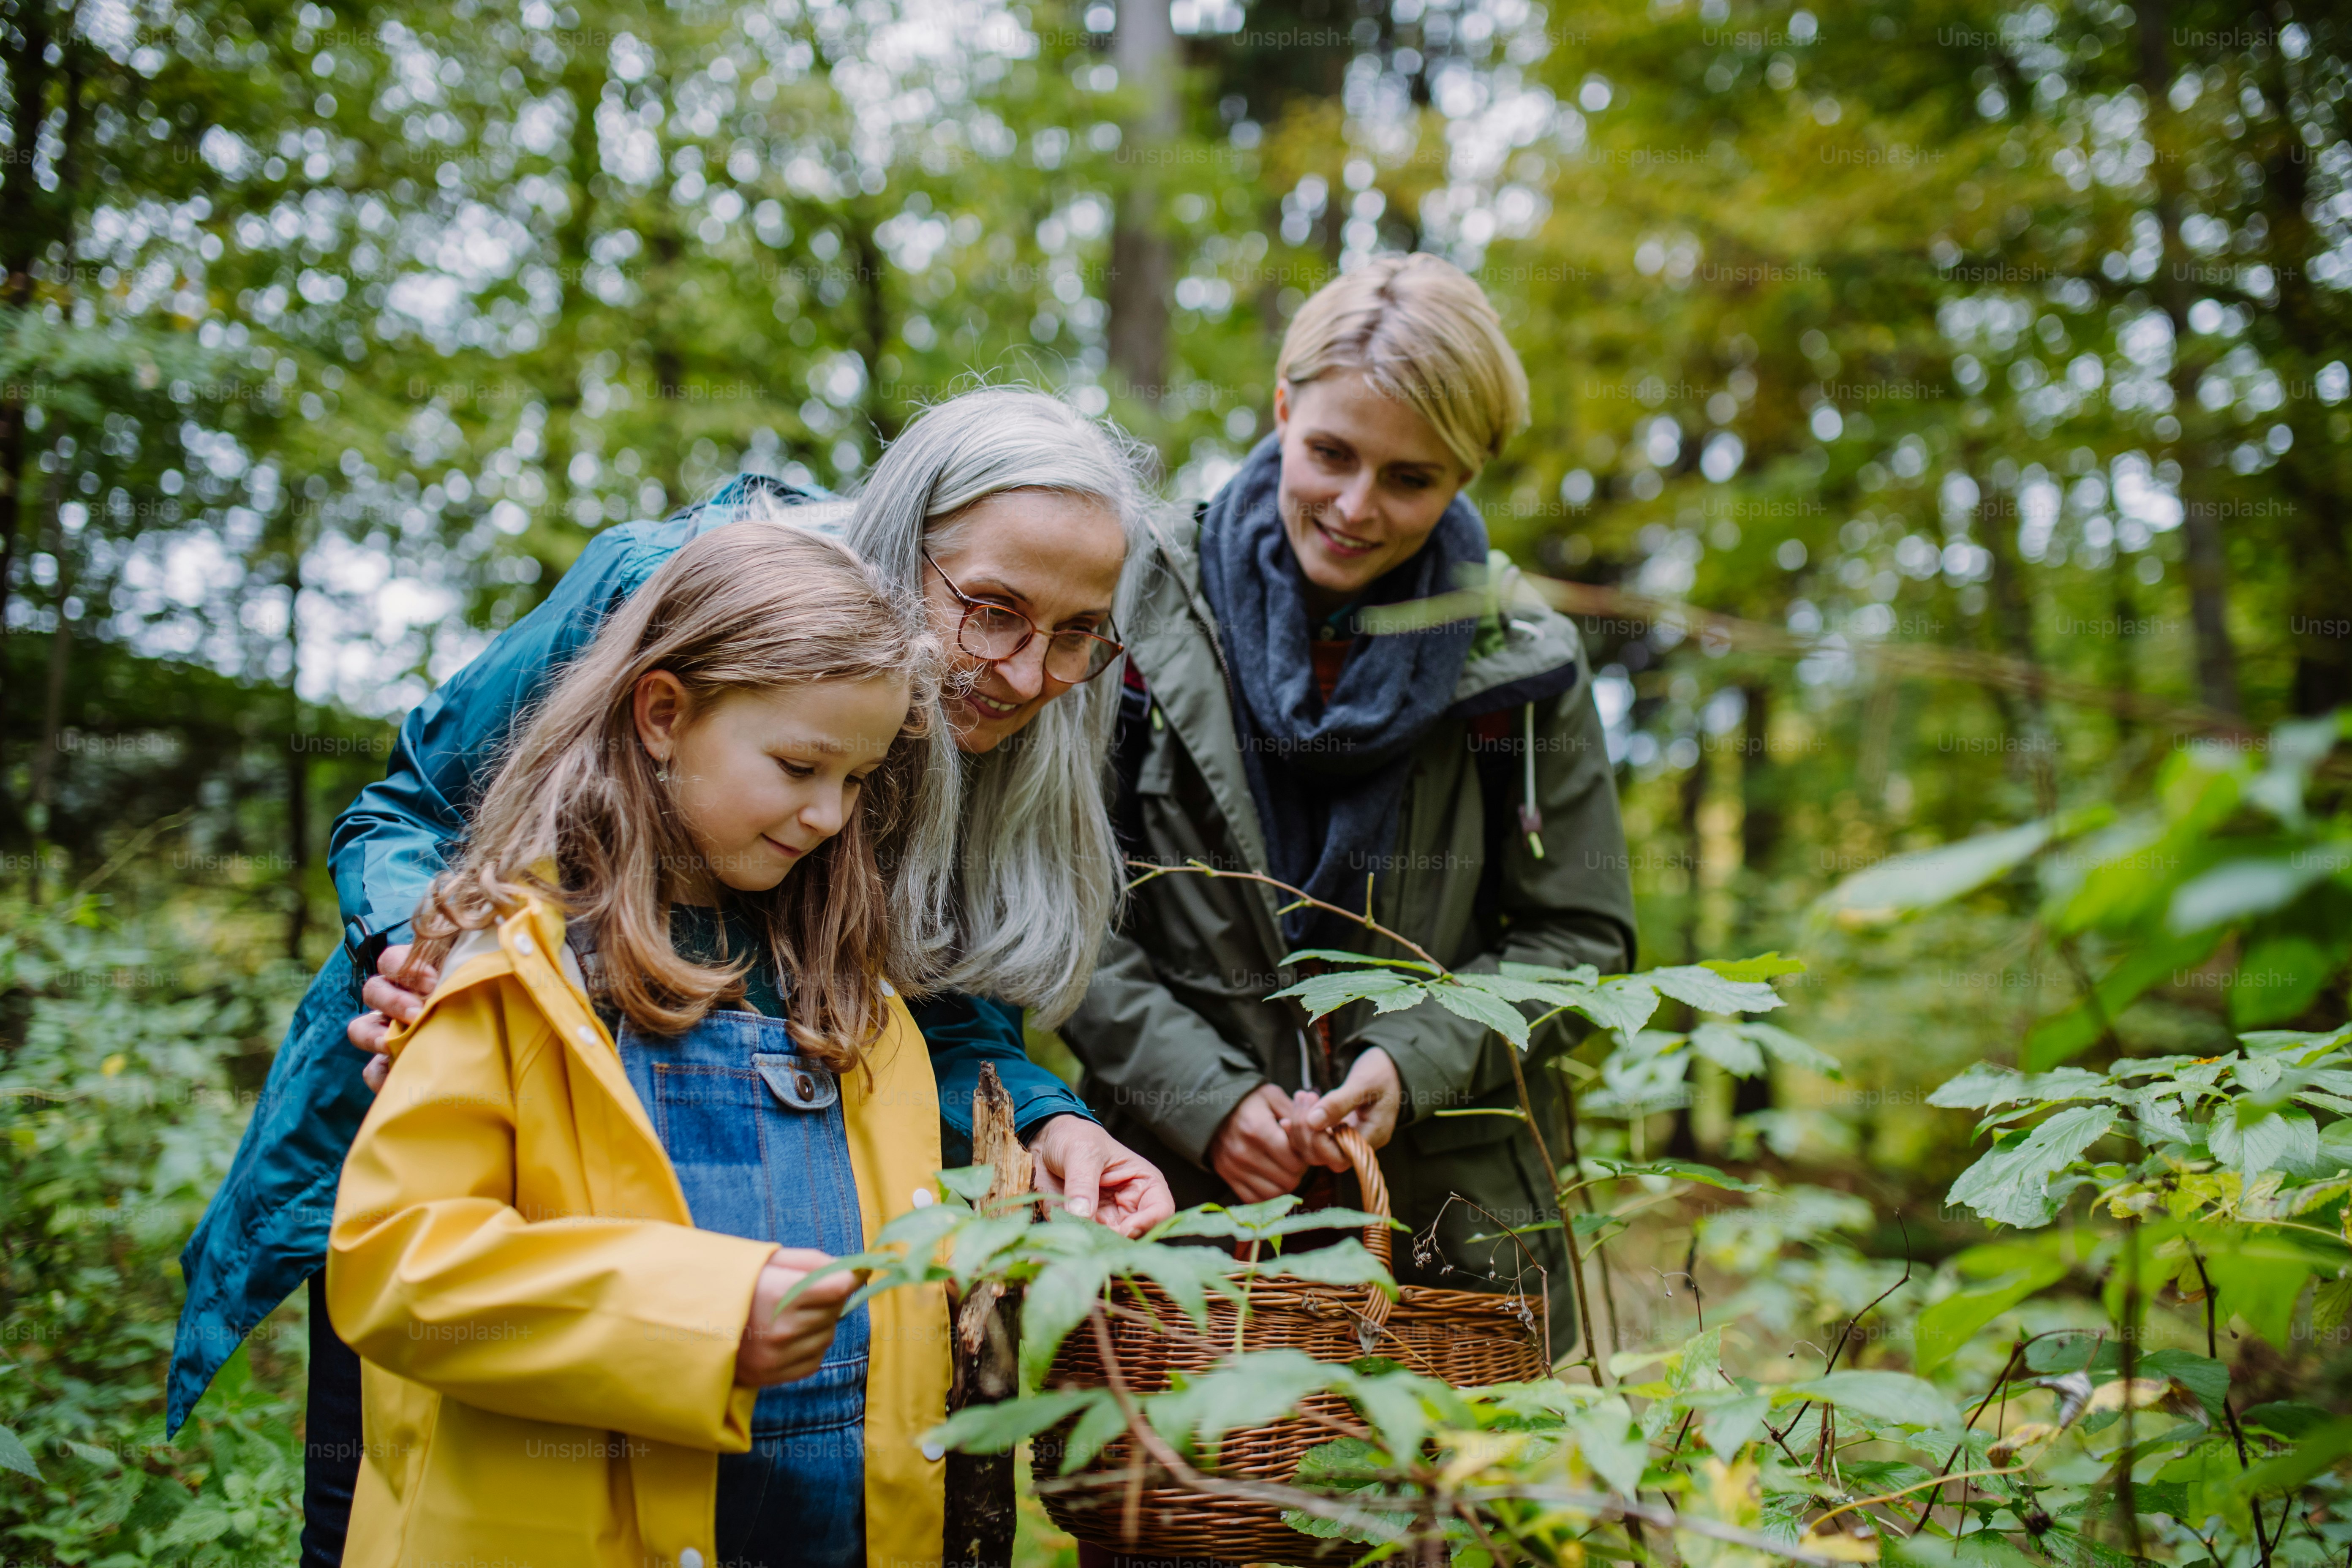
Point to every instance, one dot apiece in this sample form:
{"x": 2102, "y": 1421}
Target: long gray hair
{"x": 1008, "y": 859}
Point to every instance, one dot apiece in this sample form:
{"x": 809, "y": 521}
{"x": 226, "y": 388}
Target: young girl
{"x": 662, "y": 1079}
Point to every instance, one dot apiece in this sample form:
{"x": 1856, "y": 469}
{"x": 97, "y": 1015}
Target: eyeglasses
{"x": 999, "y": 632}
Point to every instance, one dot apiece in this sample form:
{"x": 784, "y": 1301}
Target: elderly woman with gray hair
{"x": 1013, "y": 518}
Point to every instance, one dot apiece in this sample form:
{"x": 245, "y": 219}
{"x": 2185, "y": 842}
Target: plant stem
{"x": 2229, "y": 1406}
{"x": 1945, "y": 1474}
{"x": 1152, "y": 870}
{"x": 1602, "y": 1374}
{"x": 2126, "y": 1501}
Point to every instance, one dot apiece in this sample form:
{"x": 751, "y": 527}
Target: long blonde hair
{"x": 735, "y": 609}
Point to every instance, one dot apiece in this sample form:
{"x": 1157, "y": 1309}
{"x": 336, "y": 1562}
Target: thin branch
{"x": 1901, "y": 1492}
{"x": 1156, "y": 1446}
{"x": 1998, "y": 1383}
{"x": 2229, "y": 1408}
{"x": 1152, "y": 870}
{"x": 1609, "y": 1506}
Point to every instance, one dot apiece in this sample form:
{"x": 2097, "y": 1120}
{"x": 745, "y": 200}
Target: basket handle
{"x": 1378, "y": 1238}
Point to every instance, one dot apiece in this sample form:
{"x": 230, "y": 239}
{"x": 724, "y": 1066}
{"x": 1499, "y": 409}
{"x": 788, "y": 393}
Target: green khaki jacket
{"x": 1176, "y": 1028}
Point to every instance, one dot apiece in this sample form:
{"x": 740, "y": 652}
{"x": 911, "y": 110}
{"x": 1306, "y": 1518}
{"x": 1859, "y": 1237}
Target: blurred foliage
{"x": 136, "y": 1048}
{"x": 1982, "y": 363}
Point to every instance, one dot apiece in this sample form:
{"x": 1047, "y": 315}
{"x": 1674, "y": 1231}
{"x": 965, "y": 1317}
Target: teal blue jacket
{"x": 265, "y": 1231}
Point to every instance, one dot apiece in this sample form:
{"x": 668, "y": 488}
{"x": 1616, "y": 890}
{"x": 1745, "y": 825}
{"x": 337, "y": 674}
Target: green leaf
{"x": 2064, "y": 1036}
{"x": 1951, "y": 1323}
{"x": 1617, "y": 1453}
{"x": 1387, "y": 992}
{"x": 970, "y": 1182}
{"x": 1763, "y": 966}
{"x": 1482, "y": 1008}
{"x": 1907, "y": 883}
{"x": 1341, "y": 1462}
{"x": 1782, "y": 1046}
{"x": 1681, "y": 1170}
{"x": 1056, "y": 1302}
{"x": 1985, "y": 1085}
{"x": 1245, "y": 1391}
{"x": 1236, "y": 1220}
{"x": 1342, "y": 1263}
{"x": 1892, "y": 1396}
{"x": 1100, "y": 1423}
{"x": 2011, "y": 1184}
{"x": 1395, "y": 1407}
{"x": 1337, "y": 955}
{"x": 2237, "y": 891}
{"x": 1708, "y": 991}
{"x": 1730, "y": 1425}
{"x": 979, "y": 1243}
{"x": 992, "y": 1428}
{"x": 1727, "y": 1048}
{"x": 15, "y": 1457}
{"x": 2318, "y": 1451}
{"x": 2254, "y": 1142}
{"x": 2278, "y": 978}
{"x": 2289, "y": 1418}
{"x": 2258, "y": 1280}
{"x": 1187, "y": 1273}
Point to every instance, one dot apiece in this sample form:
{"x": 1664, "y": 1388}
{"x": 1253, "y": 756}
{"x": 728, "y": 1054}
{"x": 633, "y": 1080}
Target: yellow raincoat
{"x": 550, "y": 1343}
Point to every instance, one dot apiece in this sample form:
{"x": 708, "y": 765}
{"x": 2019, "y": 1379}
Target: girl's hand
{"x": 1100, "y": 1177}
{"x": 1369, "y": 1098}
{"x": 394, "y": 991}
{"x": 780, "y": 1347}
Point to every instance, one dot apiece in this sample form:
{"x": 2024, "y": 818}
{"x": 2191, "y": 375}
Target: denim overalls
{"x": 755, "y": 1132}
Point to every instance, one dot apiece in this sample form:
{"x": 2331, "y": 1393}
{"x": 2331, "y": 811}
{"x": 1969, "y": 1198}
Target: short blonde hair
{"x": 1423, "y": 333}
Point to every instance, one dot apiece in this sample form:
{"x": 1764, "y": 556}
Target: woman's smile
{"x": 1345, "y": 546}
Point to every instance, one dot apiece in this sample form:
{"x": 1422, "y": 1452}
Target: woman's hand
{"x": 779, "y": 1347}
{"x": 1251, "y": 1150}
{"x": 1100, "y": 1177}
{"x": 394, "y": 991}
{"x": 1369, "y": 1099}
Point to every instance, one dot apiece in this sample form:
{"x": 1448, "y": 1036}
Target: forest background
{"x": 1940, "y": 420}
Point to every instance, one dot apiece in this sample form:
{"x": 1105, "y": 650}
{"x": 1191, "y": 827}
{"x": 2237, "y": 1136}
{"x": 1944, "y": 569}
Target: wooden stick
{"x": 982, "y": 1509}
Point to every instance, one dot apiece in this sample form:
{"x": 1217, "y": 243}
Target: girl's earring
{"x": 661, "y": 773}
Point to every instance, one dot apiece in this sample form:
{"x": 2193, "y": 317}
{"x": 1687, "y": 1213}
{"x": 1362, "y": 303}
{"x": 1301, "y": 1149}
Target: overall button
{"x": 689, "y": 1558}
{"x": 800, "y": 1084}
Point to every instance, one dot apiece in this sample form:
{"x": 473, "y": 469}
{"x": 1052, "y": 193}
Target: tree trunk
{"x": 1760, "y": 840}
{"x": 2207, "y": 555}
{"x": 2318, "y": 530}
{"x": 52, "y": 713}
{"x": 982, "y": 1509}
{"x": 1682, "y": 1138}
{"x": 1142, "y": 264}
{"x": 298, "y": 757}
{"x": 20, "y": 246}
{"x": 584, "y": 78}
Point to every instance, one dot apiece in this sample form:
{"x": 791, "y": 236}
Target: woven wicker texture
{"x": 1467, "y": 1338}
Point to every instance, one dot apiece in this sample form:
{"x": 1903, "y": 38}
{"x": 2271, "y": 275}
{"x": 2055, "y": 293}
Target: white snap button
{"x": 689, "y": 1558}
{"x": 587, "y": 1034}
{"x": 523, "y": 941}
{"x": 886, "y": 991}
{"x": 933, "y": 1452}
{"x": 923, "y": 1198}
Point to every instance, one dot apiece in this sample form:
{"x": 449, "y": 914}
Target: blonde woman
{"x": 1459, "y": 773}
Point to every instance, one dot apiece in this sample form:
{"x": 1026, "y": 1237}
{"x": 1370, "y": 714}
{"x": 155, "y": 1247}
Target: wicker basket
{"x": 1467, "y": 1338}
